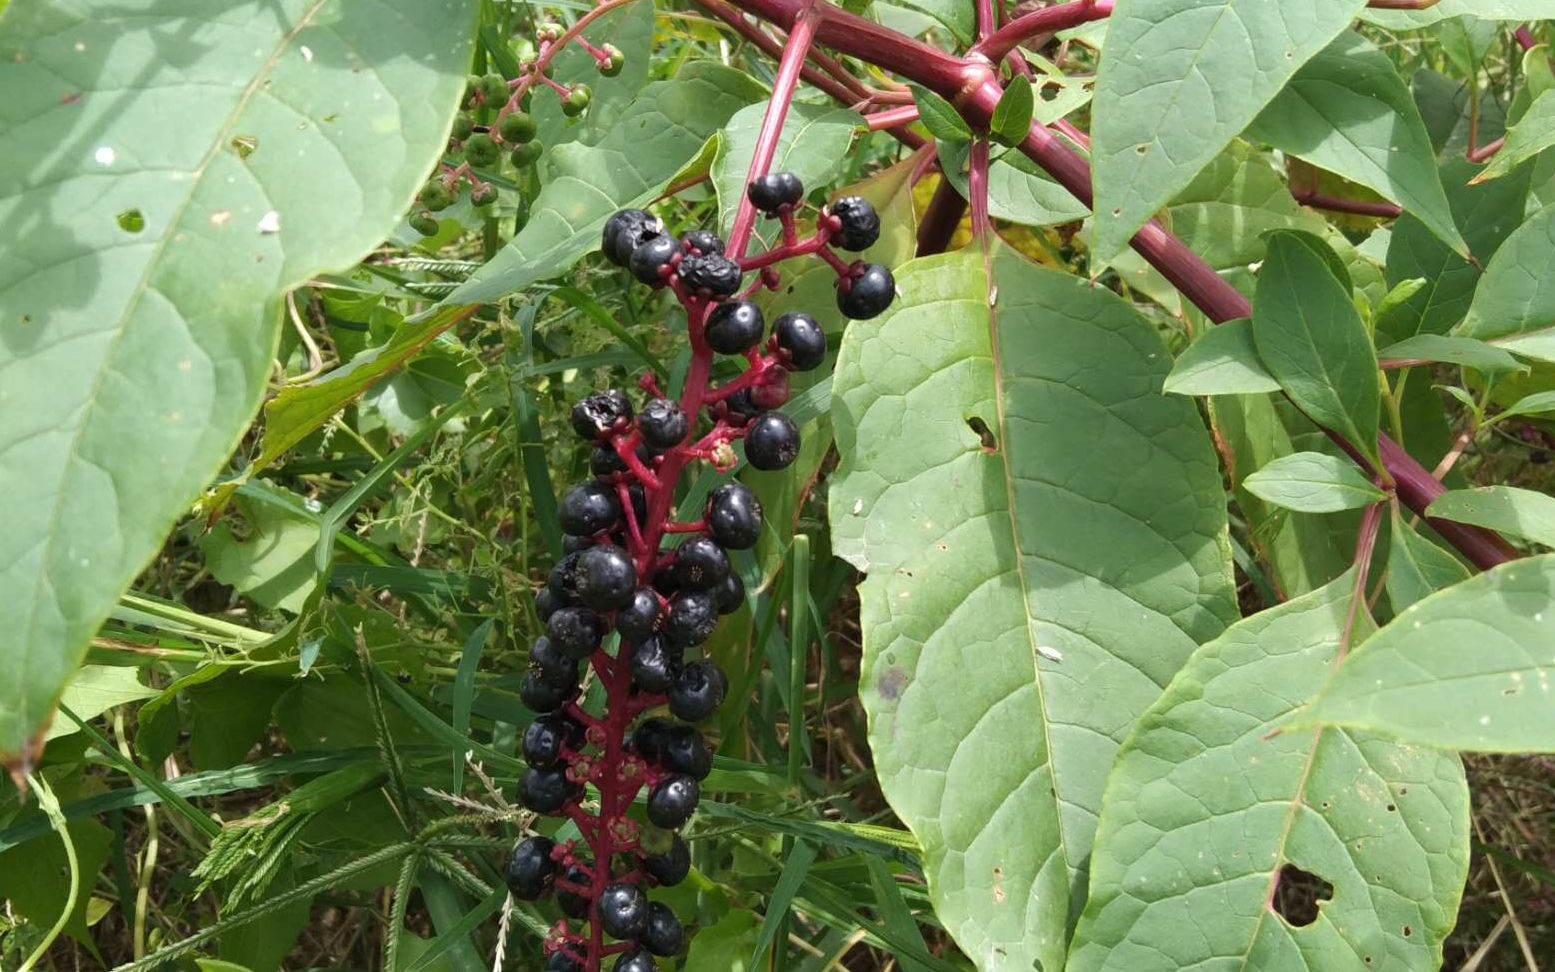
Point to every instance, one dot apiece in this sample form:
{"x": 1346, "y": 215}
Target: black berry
{"x": 546, "y": 735}
{"x": 672, "y": 801}
{"x": 663, "y": 424}
{"x": 702, "y": 241}
{"x": 588, "y": 508}
{"x": 801, "y": 339}
{"x": 572, "y": 904}
{"x": 869, "y": 290}
{"x": 683, "y": 750}
{"x": 562, "y": 962}
{"x": 709, "y": 275}
{"x": 625, "y": 232}
{"x": 623, "y": 910}
{"x": 663, "y": 934}
{"x": 700, "y": 564}
{"x": 860, "y": 223}
{"x": 771, "y": 441}
{"x": 539, "y": 695}
{"x": 651, "y": 256}
{"x": 734, "y": 327}
{"x": 546, "y": 789}
{"x": 576, "y": 631}
{"x": 654, "y": 665}
{"x": 693, "y": 616}
{"x": 730, "y": 594}
{"x": 547, "y": 602}
{"x": 606, "y": 577}
{"x": 771, "y": 192}
{"x": 600, "y": 412}
{"x": 733, "y": 515}
{"x": 649, "y": 737}
{"x": 531, "y": 869}
{"x": 638, "y": 959}
{"x": 671, "y": 867}
{"x": 642, "y": 616}
{"x": 554, "y": 667}
{"x": 698, "y": 692}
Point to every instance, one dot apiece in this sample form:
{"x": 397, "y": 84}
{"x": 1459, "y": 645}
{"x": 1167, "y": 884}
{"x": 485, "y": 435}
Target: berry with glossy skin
{"x": 651, "y": 256}
{"x": 698, "y": 692}
{"x": 773, "y": 191}
{"x": 671, "y": 867}
{"x": 574, "y": 905}
{"x": 483, "y": 195}
{"x": 614, "y": 60}
{"x": 588, "y": 508}
{"x": 605, "y": 462}
{"x": 577, "y": 100}
{"x": 649, "y": 737}
{"x": 596, "y": 414}
{"x": 526, "y": 154}
{"x": 547, "y": 735}
{"x": 553, "y": 666}
{"x": 663, "y": 424}
{"x": 771, "y": 441}
{"x": 683, "y": 750}
{"x": 625, "y": 232}
{"x": 709, "y": 275}
{"x": 654, "y": 665}
{"x": 638, "y": 959}
{"x": 673, "y": 800}
{"x": 733, "y": 515}
{"x": 518, "y": 127}
{"x": 424, "y": 223}
{"x": 734, "y": 327}
{"x": 700, "y": 564}
{"x": 546, "y": 789}
{"x": 801, "y": 339}
{"x": 860, "y": 223}
{"x": 606, "y": 577}
{"x": 562, "y": 962}
{"x": 531, "y": 869}
{"x": 540, "y": 695}
{"x": 702, "y": 241}
{"x": 642, "y": 616}
{"x": 576, "y": 631}
{"x": 481, "y": 150}
{"x": 436, "y": 196}
{"x": 869, "y": 290}
{"x": 730, "y": 594}
{"x": 494, "y": 89}
{"x": 623, "y": 910}
{"x": 663, "y": 934}
{"x": 693, "y": 616}
{"x": 547, "y": 603}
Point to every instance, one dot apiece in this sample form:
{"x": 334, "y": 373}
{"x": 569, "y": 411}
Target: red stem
{"x": 892, "y": 117}
{"x": 1483, "y": 152}
{"x": 977, "y": 188}
{"x": 1525, "y": 38}
{"x": 1044, "y": 21}
{"x": 1338, "y": 204}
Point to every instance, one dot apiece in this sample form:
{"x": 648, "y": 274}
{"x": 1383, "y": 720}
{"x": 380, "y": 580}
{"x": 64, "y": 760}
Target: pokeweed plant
{"x": 1169, "y": 634}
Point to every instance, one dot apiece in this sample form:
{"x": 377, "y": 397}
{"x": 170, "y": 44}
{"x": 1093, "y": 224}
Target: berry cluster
{"x": 635, "y": 609}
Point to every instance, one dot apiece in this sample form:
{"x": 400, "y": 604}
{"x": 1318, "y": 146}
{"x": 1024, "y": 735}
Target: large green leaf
{"x": 1448, "y": 9}
{"x": 1018, "y": 191}
{"x": 662, "y": 132}
{"x": 1515, "y": 303}
{"x": 1468, "y": 668}
{"x": 1204, "y": 813}
{"x": 1312, "y": 340}
{"x": 174, "y": 170}
{"x": 1178, "y": 80}
{"x": 1348, "y": 111}
{"x": 1519, "y": 512}
{"x": 1032, "y": 511}
{"x": 1533, "y": 133}
{"x": 813, "y": 145}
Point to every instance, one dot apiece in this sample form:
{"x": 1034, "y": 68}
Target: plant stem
{"x": 977, "y": 188}
{"x": 1339, "y": 204}
{"x": 941, "y": 218}
{"x": 1044, "y": 21}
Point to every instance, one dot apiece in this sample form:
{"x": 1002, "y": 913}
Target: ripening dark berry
{"x": 483, "y": 195}
{"x": 577, "y": 100}
{"x": 546, "y": 789}
{"x": 494, "y": 89}
{"x": 577, "y": 631}
{"x": 860, "y": 223}
{"x": 562, "y": 962}
{"x": 800, "y": 337}
{"x": 671, "y": 867}
{"x": 771, "y": 192}
{"x": 600, "y": 412}
{"x": 481, "y": 150}
{"x": 639, "y": 499}
{"x": 693, "y": 616}
{"x": 606, "y": 577}
{"x": 771, "y": 441}
{"x": 709, "y": 275}
{"x": 734, "y": 327}
{"x": 642, "y": 616}
{"x": 772, "y": 390}
{"x": 623, "y": 910}
{"x": 673, "y": 800}
{"x": 540, "y": 695}
{"x": 651, "y": 256}
{"x": 638, "y": 959}
{"x": 663, "y": 934}
{"x": 702, "y": 241}
{"x": 424, "y": 223}
{"x": 436, "y": 196}
{"x": 554, "y": 667}
{"x": 588, "y": 508}
{"x": 531, "y": 869}
{"x": 517, "y": 127}
{"x": 663, "y": 424}
{"x": 526, "y": 153}
{"x": 547, "y": 734}
{"x": 572, "y": 545}
{"x": 625, "y": 232}
{"x": 685, "y": 751}
{"x": 547, "y": 603}
{"x": 868, "y": 292}
{"x": 605, "y": 461}
{"x": 742, "y": 407}
{"x": 463, "y": 126}
{"x": 654, "y": 665}
{"x": 700, "y": 564}
{"x": 649, "y": 737}
{"x": 730, "y": 594}
{"x": 572, "y": 904}
{"x": 698, "y": 692}
{"x": 733, "y": 515}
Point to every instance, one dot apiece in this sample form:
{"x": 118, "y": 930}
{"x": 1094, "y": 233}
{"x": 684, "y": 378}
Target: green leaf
{"x": 272, "y": 561}
{"x": 662, "y": 131}
{"x": 1312, "y": 340}
{"x": 1222, "y": 361}
{"x": 1533, "y": 133}
{"x": 1520, "y": 512}
{"x": 1313, "y": 482}
{"x": 1178, "y": 80}
{"x": 1348, "y": 111}
{"x": 1468, "y": 668}
{"x": 1450, "y": 349}
{"x": 813, "y": 145}
{"x": 299, "y": 135}
{"x": 1448, "y": 9}
{"x": 1018, "y": 191}
{"x": 726, "y": 944}
{"x": 957, "y": 16}
{"x": 1204, "y": 813}
{"x": 1075, "y": 529}
{"x": 1012, "y": 115}
{"x": 937, "y": 115}
{"x": 629, "y": 28}
{"x": 94, "y": 690}
{"x": 795, "y": 866}
{"x": 1539, "y": 403}
{"x": 1417, "y": 568}
{"x": 1515, "y": 303}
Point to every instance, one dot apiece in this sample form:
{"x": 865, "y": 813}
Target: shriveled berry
{"x": 625, "y": 231}
{"x": 481, "y": 150}
{"x": 685, "y": 751}
{"x": 554, "y": 666}
{"x": 577, "y": 100}
{"x": 693, "y": 616}
{"x": 547, "y": 734}
{"x": 671, "y": 867}
{"x": 742, "y": 407}
{"x": 730, "y": 594}
{"x": 672, "y": 801}
{"x": 772, "y": 390}
{"x": 596, "y": 414}
{"x": 526, "y": 153}
{"x": 733, "y": 515}
{"x": 606, "y": 577}
{"x": 494, "y": 89}
{"x": 801, "y": 339}
{"x": 539, "y": 695}
{"x": 564, "y": 574}
{"x": 623, "y": 910}
{"x": 698, "y": 692}
{"x": 531, "y": 869}
{"x": 771, "y": 192}
{"x": 771, "y": 441}
{"x": 642, "y": 616}
{"x": 546, "y": 789}
{"x": 860, "y": 223}
{"x": 577, "y": 631}
{"x": 700, "y": 564}
{"x": 702, "y": 241}
{"x": 734, "y": 327}
{"x": 868, "y": 291}
{"x": 663, "y": 424}
{"x": 638, "y": 959}
{"x": 651, "y": 256}
{"x": 710, "y": 275}
{"x": 663, "y": 934}
{"x": 654, "y": 665}
{"x": 588, "y": 508}
{"x": 572, "y": 904}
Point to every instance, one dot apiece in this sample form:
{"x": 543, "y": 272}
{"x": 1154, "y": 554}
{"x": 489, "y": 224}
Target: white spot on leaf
{"x": 270, "y": 222}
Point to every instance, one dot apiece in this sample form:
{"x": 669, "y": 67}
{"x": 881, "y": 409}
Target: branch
{"x": 1402, "y": 4}
{"x": 940, "y": 219}
{"x": 1045, "y": 21}
{"x": 1338, "y": 204}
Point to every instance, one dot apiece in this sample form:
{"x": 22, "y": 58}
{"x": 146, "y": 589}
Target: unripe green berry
{"x": 436, "y": 196}
{"x": 494, "y": 89}
{"x": 481, "y": 150}
{"x": 463, "y": 126}
{"x": 527, "y": 154}
{"x": 577, "y": 100}
{"x": 472, "y": 87}
{"x": 424, "y": 223}
{"x": 517, "y": 127}
{"x": 483, "y": 195}
{"x": 613, "y": 61}
{"x": 548, "y": 32}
